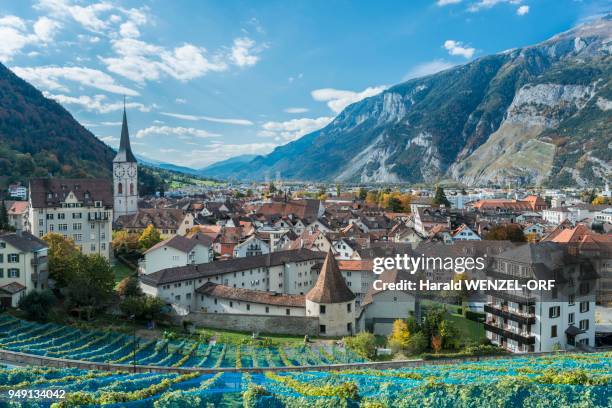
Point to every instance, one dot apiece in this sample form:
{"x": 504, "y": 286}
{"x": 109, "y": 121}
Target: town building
{"x": 23, "y": 266}
{"x": 125, "y": 175}
{"x": 537, "y": 320}
{"x": 79, "y": 209}
{"x": 18, "y": 191}
{"x": 177, "y": 251}
{"x": 168, "y": 221}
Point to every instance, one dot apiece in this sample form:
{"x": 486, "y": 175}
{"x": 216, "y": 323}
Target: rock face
{"x": 534, "y": 115}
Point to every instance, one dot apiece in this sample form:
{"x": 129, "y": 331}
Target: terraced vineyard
{"x": 53, "y": 340}
{"x": 555, "y": 381}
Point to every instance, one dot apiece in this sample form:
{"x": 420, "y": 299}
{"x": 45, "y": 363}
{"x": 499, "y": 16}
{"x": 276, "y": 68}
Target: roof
{"x": 388, "y": 276}
{"x": 24, "y": 241}
{"x": 18, "y": 207}
{"x": 161, "y": 218}
{"x": 51, "y": 192}
{"x": 177, "y": 242}
{"x": 249, "y": 295}
{"x": 12, "y": 288}
{"x": 178, "y": 274}
{"x": 573, "y": 330}
{"x": 356, "y": 265}
{"x": 330, "y": 286}
{"x": 124, "y": 154}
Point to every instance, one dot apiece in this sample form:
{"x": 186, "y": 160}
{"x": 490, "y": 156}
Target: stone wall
{"x": 297, "y": 325}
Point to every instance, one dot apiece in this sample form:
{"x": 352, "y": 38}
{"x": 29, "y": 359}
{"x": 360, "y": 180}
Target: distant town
{"x": 297, "y": 259}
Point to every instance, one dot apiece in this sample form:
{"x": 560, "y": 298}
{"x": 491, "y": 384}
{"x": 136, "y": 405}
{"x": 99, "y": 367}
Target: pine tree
{"x": 440, "y": 197}
{"x": 4, "y": 222}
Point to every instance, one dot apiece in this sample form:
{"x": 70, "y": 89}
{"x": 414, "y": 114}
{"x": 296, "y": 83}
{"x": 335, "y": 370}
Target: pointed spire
{"x": 330, "y": 286}
{"x": 125, "y": 151}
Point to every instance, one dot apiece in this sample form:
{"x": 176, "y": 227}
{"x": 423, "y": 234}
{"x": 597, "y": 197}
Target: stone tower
{"x": 125, "y": 175}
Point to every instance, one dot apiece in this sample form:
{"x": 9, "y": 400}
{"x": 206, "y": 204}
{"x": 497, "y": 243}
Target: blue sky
{"x": 207, "y": 80}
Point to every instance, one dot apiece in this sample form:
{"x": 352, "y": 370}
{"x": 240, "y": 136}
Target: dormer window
{"x": 49, "y": 196}
{"x": 98, "y": 204}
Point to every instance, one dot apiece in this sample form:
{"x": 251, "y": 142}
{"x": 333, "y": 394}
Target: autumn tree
{"x": 398, "y": 340}
{"x": 124, "y": 242}
{"x": 436, "y": 343}
{"x": 92, "y": 284}
{"x": 149, "y": 237}
{"x": 129, "y": 287}
{"x": 63, "y": 258}
{"x": 601, "y": 200}
{"x": 363, "y": 193}
{"x": 506, "y": 232}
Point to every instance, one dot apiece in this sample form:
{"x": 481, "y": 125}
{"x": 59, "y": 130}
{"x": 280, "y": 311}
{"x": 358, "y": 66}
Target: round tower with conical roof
{"x": 332, "y": 301}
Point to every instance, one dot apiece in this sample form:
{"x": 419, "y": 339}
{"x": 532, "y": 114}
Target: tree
{"x": 149, "y": 237}
{"x": 4, "y": 221}
{"x": 142, "y": 307}
{"x": 63, "y": 258}
{"x": 398, "y": 340}
{"x": 417, "y": 343}
{"x": 124, "y": 242}
{"x": 37, "y": 305}
{"x": 440, "y": 197}
{"x": 506, "y": 232}
{"x": 395, "y": 205}
{"x": 364, "y": 344}
{"x": 128, "y": 287}
{"x": 272, "y": 188}
{"x": 338, "y": 189}
{"x": 362, "y": 193}
{"x": 601, "y": 200}
{"x": 372, "y": 197}
{"x": 436, "y": 343}
{"x": 449, "y": 335}
{"x": 431, "y": 323}
{"x": 93, "y": 283}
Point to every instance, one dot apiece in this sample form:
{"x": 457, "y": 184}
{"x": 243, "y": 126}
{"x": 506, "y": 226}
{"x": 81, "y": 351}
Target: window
{"x": 584, "y": 307}
{"x": 287, "y": 312}
{"x": 584, "y": 324}
{"x": 131, "y": 189}
{"x": 267, "y": 309}
{"x": 554, "y": 312}
{"x": 231, "y": 304}
{"x": 77, "y": 226}
{"x": 13, "y": 273}
{"x": 584, "y": 342}
{"x": 13, "y": 258}
{"x": 322, "y": 329}
{"x": 570, "y": 318}
{"x": 584, "y": 288}
{"x": 177, "y": 297}
{"x": 120, "y": 188}
{"x": 49, "y": 216}
{"x": 1, "y": 258}
{"x": 321, "y": 309}
{"x": 348, "y": 307}
{"x": 248, "y": 307}
{"x": 215, "y": 301}
{"x": 188, "y": 296}
{"x": 349, "y": 327}
{"x": 1, "y": 273}
{"x": 571, "y": 300}
{"x": 553, "y": 331}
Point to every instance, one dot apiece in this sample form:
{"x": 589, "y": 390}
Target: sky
{"x": 208, "y": 80}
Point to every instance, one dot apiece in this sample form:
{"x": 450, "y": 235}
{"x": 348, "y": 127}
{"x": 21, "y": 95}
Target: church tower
{"x": 125, "y": 175}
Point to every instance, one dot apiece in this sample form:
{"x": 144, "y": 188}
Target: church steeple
{"x": 125, "y": 151}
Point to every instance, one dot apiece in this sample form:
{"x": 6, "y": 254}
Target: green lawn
{"x": 236, "y": 337}
{"x": 121, "y": 271}
{"x": 468, "y": 328}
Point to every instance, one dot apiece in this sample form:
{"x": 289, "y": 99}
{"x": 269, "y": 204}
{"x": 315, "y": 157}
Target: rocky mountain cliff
{"x": 532, "y": 115}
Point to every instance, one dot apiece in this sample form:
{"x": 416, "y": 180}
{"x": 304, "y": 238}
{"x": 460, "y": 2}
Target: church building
{"x": 125, "y": 176}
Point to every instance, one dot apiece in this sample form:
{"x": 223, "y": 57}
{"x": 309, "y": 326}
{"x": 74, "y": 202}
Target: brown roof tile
{"x": 330, "y": 286}
{"x": 249, "y": 295}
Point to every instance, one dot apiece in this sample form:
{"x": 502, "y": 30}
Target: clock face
{"x": 119, "y": 172}
{"x": 132, "y": 171}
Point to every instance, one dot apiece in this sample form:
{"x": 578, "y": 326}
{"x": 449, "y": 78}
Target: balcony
{"x": 510, "y": 332}
{"x": 99, "y": 217}
{"x": 520, "y": 299}
{"x": 515, "y": 315}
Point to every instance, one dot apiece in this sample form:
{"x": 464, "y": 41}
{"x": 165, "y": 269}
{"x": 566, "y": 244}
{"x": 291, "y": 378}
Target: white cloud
{"x": 338, "y": 99}
{"x": 110, "y": 123}
{"x": 15, "y": 35}
{"x": 90, "y": 16}
{"x": 486, "y": 4}
{"x": 141, "y": 61}
{"x": 522, "y": 10}
{"x": 228, "y": 121}
{"x": 46, "y": 28}
{"x": 292, "y": 129}
{"x": 96, "y": 103}
{"x": 49, "y": 77}
{"x": 447, "y": 2}
{"x": 243, "y": 52}
{"x": 180, "y": 101}
{"x": 179, "y": 131}
{"x": 296, "y": 110}
{"x": 458, "y": 48}
{"x": 427, "y": 68}
{"x": 110, "y": 140}
{"x": 129, "y": 29}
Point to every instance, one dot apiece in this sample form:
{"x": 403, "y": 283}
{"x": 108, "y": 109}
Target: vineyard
{"x": 581, "y": 380}
{"x": 52, "y": 340}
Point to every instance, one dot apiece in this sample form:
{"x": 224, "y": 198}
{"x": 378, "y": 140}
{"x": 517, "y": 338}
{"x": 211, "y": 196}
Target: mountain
{"x": 533, "y": 115}
{"x": 39, "y": 137}
{"x": 226, "y": 167}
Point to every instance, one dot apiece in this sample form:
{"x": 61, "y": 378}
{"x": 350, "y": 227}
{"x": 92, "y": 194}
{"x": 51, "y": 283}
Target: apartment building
{"x": 538, "y": 320}
{"x": 80, "y": 209}
{"x": 23, "y": 266}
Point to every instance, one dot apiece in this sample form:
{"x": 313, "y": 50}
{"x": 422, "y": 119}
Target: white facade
{"x": 210, "y": 304}
{"x": 90, "y": 227}
{"x": 125, "y": 188}
{"x": 386, "y": 307}
{"x": 18, "y": 191}
{"x": 335, "y": 319}
{"x": 252, "y": 246}
{"x": 166, "y": 256}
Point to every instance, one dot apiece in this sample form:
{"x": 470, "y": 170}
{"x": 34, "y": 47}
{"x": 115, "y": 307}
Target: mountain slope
{"x": 535, "y": 115}
{"x": 226, "y": 166}
{"x": 39, "y": 137}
